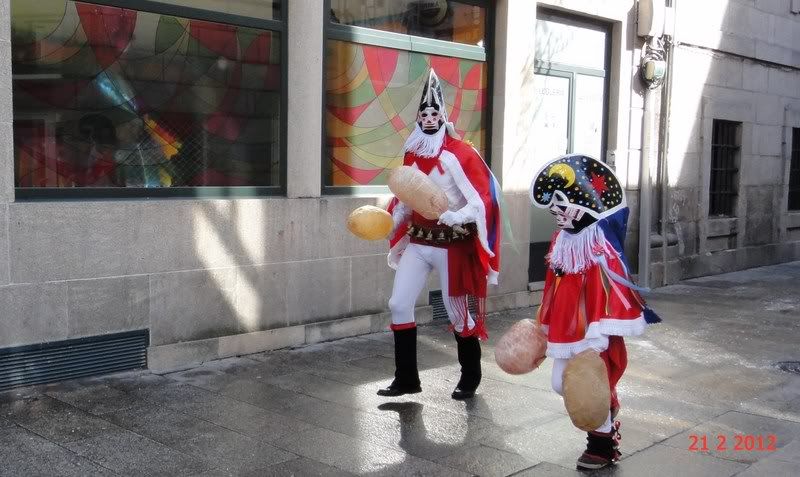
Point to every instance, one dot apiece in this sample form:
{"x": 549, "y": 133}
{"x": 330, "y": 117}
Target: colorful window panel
{"x": 372, "y": 99}
{"x": 112, "y": 97}
{"x": 446, "y": 20}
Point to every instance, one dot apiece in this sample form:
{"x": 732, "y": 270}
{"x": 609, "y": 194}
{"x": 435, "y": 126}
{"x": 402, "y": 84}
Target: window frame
{"x": 730, "y": 171}
{"x": 570, "y": 72}
{"x": 30, "y": 194}
{"x": 415, "y": 44}
{"x": 538, "y": 249}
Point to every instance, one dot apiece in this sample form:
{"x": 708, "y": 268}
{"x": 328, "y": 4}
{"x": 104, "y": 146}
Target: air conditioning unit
{"x": 650, "y": 18}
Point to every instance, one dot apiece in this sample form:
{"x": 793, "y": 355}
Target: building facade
{"x": 186, "y": 168}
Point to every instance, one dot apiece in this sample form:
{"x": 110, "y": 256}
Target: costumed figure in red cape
{"x": 463, "y": 245}
{"x": 589, "y": 300}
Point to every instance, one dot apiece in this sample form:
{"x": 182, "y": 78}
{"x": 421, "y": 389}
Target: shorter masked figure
{"x": 462, "y": 245}
{"x": 588, "y": 301}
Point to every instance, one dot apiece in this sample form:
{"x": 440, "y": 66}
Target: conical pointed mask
{"x": 432, "y": 114}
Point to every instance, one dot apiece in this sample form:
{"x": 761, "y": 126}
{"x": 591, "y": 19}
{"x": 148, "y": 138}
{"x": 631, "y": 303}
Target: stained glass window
{"x": 447, "y": 20}
{"x": 113, "y": 97}
{"x": 372, "y": 98}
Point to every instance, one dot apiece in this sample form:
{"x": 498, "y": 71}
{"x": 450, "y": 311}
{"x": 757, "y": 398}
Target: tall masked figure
{"x": 589, "y": 301}
{"x": 462, "y": 245}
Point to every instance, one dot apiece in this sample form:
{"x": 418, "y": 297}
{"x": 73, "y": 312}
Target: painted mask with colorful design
{"x": 578, "y": 190}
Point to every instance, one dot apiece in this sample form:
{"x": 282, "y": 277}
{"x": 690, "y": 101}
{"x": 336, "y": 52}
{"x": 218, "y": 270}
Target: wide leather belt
{"x": 439, "y": 235}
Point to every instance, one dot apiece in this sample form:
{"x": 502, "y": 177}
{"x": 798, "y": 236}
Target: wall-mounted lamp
{"x": 653, "y": 70}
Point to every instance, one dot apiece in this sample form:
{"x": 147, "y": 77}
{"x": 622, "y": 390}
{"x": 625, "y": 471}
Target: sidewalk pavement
{"x": 708, "y": 372}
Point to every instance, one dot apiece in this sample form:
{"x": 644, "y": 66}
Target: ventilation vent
{"x": 439, "y": 312}
{"x": 61, "y": 360}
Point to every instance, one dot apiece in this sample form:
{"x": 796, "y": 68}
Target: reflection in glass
{"x": 589, "y": 115}
{"x": 111, "y": 97}
{"x": 439, "y": 19}
{"x": 372, "y": 96}
{"x": 551, "y": 139}
{"x": 263, "y": 9}
{"x": 561, "y": 41}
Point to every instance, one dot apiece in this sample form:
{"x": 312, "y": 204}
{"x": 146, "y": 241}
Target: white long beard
{"x": 425, "y": 145}
{"x": 574, "y": 253}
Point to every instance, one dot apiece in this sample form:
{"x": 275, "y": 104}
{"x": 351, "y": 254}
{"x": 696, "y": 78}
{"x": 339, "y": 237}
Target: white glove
{"x": 451, "y": 218}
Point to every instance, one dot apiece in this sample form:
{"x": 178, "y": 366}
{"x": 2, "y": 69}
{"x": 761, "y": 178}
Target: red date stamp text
{"x": 735, "y": 442}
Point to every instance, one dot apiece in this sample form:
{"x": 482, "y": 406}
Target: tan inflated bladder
{"x": 418, "y": 191}
{"x": 587, "y": 395}
{"x": 522, "y": 348}
{"x": 370, "y": 223}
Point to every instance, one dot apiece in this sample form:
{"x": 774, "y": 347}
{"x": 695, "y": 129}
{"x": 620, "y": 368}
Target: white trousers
{"x": 557, "y": 380}
{"x": 412, "y": 273}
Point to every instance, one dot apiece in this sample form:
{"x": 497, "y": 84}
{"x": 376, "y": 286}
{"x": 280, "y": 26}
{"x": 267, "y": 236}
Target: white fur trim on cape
{"x": 597, "y": 336}
{"x": 474, "y": 211}
{"x": 574, "y": 253}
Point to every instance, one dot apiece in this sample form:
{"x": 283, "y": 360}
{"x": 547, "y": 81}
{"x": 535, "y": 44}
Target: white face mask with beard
{"x": 430, "y": 120}
{"x": 423, "y": 144}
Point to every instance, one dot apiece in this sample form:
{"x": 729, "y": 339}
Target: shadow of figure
{"x": 416, "y": 439}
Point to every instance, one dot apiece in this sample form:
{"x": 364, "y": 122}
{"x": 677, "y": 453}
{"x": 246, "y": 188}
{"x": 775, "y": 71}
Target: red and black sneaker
{"x": 616, "y": 435}
{"x": 602, "y": 450}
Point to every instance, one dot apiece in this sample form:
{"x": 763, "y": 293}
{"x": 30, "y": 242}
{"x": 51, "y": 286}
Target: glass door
{"x": 571, "y": 84}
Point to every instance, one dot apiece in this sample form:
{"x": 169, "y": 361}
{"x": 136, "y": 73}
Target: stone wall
{"x": 737, "y": 61}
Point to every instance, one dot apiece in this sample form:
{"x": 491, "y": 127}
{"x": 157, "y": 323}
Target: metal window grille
{"x": 794, "y": 172}
{"x": 725, "y": 149}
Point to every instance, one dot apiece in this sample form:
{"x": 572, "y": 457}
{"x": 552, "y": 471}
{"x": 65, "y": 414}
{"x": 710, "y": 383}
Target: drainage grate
{"x": 790, "y": 366}
{"x": 69, "y": 359}
{"x": 439, "y": 312}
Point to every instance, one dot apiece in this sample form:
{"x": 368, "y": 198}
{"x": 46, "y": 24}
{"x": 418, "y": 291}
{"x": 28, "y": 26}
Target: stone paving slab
{"x": 740, "y": 437}
{"x": 127, "y": 453}
{"x": 25, "y": 453}
{"x": 488, "y": 461}
{"x": 232, "y": 452}
{"x": 665, "y": 461}
{"x": 299, "y": 467}
{"x": 160, "y": 424}
{"x": 361, "y": 457}
{"x": 313, "y": 410}
{"x": 770, "y": 466}
{"x": 56, "y": 420}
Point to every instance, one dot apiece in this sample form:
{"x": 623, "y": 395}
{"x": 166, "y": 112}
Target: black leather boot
{"x": 469, "y": 357}
{"x": 406, "y": 376}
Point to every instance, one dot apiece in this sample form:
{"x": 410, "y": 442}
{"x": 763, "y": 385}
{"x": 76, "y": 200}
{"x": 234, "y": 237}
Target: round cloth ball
{"x": 587, "y": 395}
{"x": 370, "y": 223}
{"x": 522, "y": 348}
{"x": 418, "y": 191}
